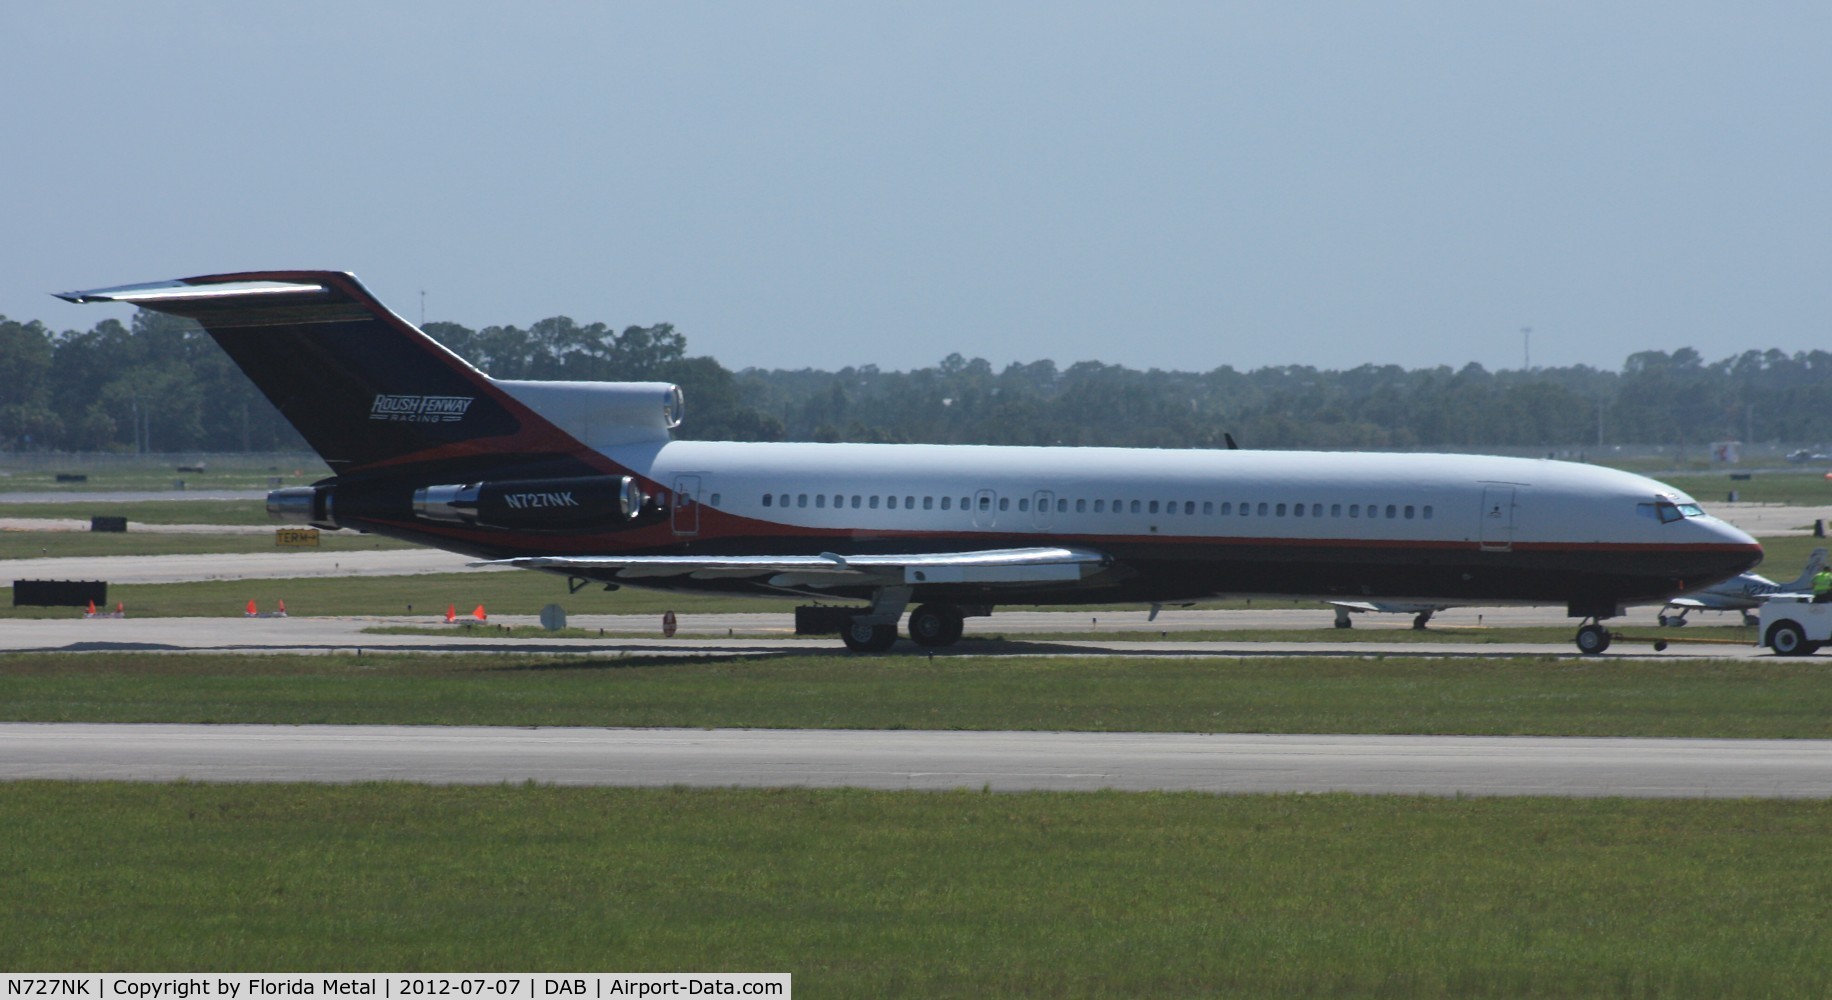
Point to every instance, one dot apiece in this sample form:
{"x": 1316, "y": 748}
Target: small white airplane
{"x": 1745, "y": 592}
{"x": 1421, "y": 613}
{"x": 585, "y": 480}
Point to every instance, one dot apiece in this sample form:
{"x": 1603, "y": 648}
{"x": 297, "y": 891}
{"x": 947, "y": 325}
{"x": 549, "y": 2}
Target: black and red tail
{"x": 367, "y": 390}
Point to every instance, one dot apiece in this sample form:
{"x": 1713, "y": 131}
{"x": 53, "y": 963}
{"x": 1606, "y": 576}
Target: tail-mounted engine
{"x": 581, "y": 503}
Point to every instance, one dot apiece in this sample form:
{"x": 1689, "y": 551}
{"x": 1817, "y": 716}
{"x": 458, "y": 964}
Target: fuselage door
{"x": 1041, "y": 501}
{"x": 686, "y": 505}
{"x": 1497, "y": 530}
{"x": 985, "y": 508}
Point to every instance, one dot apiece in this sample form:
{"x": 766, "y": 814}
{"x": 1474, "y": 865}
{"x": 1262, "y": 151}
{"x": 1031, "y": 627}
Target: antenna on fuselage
{"x": 1229, "y": 438}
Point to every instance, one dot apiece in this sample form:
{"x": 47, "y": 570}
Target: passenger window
{"x": 1316, "y": 510}
{"x": 1262, "y": 508}
{"x": 1062, "y": 506}
{"x": 1280, "y": 510}
{"x": 715, "y": 499}
{"x": 1023, "y": 504}
{"x": 909, "y": 503}
{"x": 1189, "y": 506}
{"x": 1100, "y": 506}
{"x": 985, "y": 503}
{"x": 1227, "y": 507}
{"x": 1154, "y": 507}
{"x": 874, "y": 502}
{"x": 1335, "y": 510}
{"x": 945, "y": 501}
{"x": 1135, "y": 506}
{"x": 1081, "y": 506}
{"x": 1297, "y": 510}
{"x": 928, "y": 503}
{"x": 1408, "y": 512}
{"x": 1427, "y": 512}
{"x": 1005, "y": 503}
{"x": 801, "y": 499}
{"x": 855, "y": 501}
{"x": 1354, "y": 510}
{"x": 1392, "y": 511}
{"x": 766, "y": 499}
{"x": 1208, "y": 506}
{"x": 820, "y": 501}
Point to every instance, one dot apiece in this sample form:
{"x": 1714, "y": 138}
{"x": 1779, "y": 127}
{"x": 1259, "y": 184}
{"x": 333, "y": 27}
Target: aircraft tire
{"x": 935, "y": 625}
{"x": 1787, "y": 638}
{"x": 869, "y": 638}
{"x": 1593, "y": 639}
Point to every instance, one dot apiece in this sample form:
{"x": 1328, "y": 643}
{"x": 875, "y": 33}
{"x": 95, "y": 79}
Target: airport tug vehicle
{"x": 1793, "y": 625}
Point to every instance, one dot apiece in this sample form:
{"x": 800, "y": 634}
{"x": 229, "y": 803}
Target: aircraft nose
{"x": 1736, "y": 544}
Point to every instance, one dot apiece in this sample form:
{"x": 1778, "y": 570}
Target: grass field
{"x": 507, "y": 593}
{"x": 174, "y": 511}
{"x": 226, "y": 472}
{"x": 1805, "y": 489}
{"x": 947, "y": 894}
{"x": 66, "y": 544}
{"x": 1766, "y": 698}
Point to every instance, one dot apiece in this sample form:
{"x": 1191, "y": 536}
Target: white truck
{"x": 1792, "y": 625}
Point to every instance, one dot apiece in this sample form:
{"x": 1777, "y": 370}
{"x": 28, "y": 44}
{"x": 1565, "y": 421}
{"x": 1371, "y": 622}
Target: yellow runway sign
{"x": 296, "y": 538}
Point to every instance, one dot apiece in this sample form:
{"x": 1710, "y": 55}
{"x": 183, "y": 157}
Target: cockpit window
{"x": 1666, "y": 511}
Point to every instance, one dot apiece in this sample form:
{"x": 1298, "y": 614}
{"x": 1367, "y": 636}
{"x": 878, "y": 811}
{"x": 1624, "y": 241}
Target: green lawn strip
{"x": 1299, "y": 694}
{"x": 1805, "y": 489}
{"x": 117, "y": 472}
{"x": 930, "y": 894}
{"x": 175, "y": 511}
{"x": 1640, "y": 635}
{"x": 68, "y": 544}
{"x": 517, "y": 593}
{"x": 986, "y": 642}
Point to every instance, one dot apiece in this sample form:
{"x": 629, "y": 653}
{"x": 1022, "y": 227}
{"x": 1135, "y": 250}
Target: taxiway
{"x": 915, "y": 760}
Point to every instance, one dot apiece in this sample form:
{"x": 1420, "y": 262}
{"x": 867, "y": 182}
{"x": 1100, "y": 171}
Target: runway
{"x": 768, "y": 634}
{"x": 914, "y": 760}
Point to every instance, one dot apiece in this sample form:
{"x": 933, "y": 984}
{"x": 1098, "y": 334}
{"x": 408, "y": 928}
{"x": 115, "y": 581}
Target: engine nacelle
{"x": 311, "y": 505}
{"x": 575, "y": 504}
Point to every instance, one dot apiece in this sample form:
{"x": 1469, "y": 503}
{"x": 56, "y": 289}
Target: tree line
{"x": 159, "y": 384}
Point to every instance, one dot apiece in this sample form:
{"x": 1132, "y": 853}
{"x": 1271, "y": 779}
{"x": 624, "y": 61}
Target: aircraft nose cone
{"x": 1741, "y": 550}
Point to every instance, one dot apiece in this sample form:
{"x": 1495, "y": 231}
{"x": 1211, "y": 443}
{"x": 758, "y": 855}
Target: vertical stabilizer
{"x": 365, "y": 388}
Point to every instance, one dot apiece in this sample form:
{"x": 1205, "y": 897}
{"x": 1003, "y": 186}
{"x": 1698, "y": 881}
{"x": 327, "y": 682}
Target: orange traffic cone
{"x": 251, "y": 612}
{"x": 120, "y": 609}
{"x": 282, "y": 611}
{"x": 92, "y": 607}
{"x": 451, "y": 613}
{"x": 479, "y": 614}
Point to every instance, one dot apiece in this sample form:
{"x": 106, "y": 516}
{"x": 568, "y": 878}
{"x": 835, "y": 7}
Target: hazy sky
{"x": 824, "y": 184}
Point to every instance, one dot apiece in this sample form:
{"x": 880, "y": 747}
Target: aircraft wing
{"x": 1387, "y": 607}
{"x": 990, "y": 566}
{"x": 1693, "y": 602}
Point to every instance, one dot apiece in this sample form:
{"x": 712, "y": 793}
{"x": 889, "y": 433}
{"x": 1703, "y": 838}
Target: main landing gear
{"x": 863, "y": 637}
{"x": 936, "y": 625}
{"x": 1593, "y": 638}
{"x": 932, "y": 626}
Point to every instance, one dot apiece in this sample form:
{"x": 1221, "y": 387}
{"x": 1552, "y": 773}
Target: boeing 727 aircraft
{"x": 584, "y": 480}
